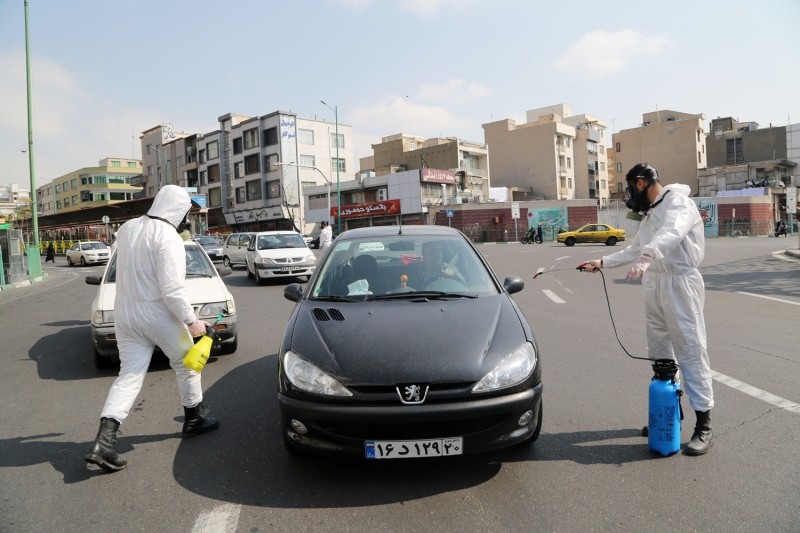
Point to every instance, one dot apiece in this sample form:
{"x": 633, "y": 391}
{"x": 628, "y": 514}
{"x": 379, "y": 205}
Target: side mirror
{"x": 513, "y": 284}
{"x": 93, "y": 280}
{"x": 223, "y": 271}
{"x": 293, "y": 292}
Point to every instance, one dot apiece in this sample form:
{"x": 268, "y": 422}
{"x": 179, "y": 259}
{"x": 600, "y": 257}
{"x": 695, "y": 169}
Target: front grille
{"x": 406, "y": 431}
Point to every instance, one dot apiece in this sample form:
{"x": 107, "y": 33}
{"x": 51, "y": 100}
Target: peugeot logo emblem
{"x": 412, "y": 394}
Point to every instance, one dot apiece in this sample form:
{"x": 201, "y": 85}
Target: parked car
{"x": 208, "y": 294}
{"x": 592, "y": 233}
{"x": 381, "y": 361}
{"x": 273, "y": 254}
{"x": 235, "y": 250}
{"x": 88, "y": 253}
{"x": 211, "y": 245}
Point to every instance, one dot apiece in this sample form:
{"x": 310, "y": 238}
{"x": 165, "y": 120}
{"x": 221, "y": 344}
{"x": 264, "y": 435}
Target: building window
{"x": 569, "y": 183}
{"x": 337, "y": 164}
{"x": 133, "y": 164}
{"x": 116, "y": 164}
{"x": 251, "y": 165}
{"x": 619, "y": 167}
{"x": 58, "y": 204}
{"x": 270, "y": 163}
{"x": 337, "y": 140}
{"x": 58, "y": 188}
{"x": 699, "y": 157}
{"x": 237, "y": 145}
{"x": 213, "y": 174}
{"x": 569, "y": 164}
{"x": 215, "y": 197}
{"x": 602, "y": 167}
{"x": 213, "y": 150}
{"x": 75, "y": 199}
{"x": 602, "y": 149}
{"x": 619, "y": 187}
{"x": 618, "y": 147}
{"x": 251, "y": 138}
{"x": 274, "y": 189}
{"x": 201, "y": 156}
{"x": 734, "y": 149}
{"x": 203, "y": 178}
{"x": 73, "y": 183}
{"x": 240, "y": 196}
{"x": 307, "y": 161}
{"x": 270, "y": 136}
{"x": 305, "y": 136}
{"x": 253, "y": 190}
{"x": 86, "y": 181}
{"x": 238, "y": 169}
{"x": 118, "y": 196}
{"x": 66, "y": 202}
{"x": 100, "y": 196}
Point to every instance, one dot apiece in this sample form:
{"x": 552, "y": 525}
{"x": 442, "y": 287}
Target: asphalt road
{"x": 589, "y": 471}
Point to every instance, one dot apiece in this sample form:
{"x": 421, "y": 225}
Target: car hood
{"x": 389, "y": 342}
{"x": 201, "y": 291}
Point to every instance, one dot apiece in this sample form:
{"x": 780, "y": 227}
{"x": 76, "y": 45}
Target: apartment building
{"x": 401, "y": 152}
{"x": 591, "y": 162}
{"x": 537, "y": 156}
{"x": 672, "y": 142}
{"x": 107, "y": 183}
{"x": 250, "y": 172}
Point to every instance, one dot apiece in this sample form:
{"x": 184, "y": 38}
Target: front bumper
{"x": 105, "y": 340}
{"x": 279, "y": 271}
{"x": 342, "y": 428}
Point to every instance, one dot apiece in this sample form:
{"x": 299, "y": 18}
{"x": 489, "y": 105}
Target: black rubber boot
{"x": 103, "y": 453}
{"x": 702, "y": 438}
{"x": 194, "y": 423}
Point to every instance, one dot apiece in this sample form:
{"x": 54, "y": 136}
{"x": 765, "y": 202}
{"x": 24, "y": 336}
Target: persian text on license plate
{"x": 404, "y": 449}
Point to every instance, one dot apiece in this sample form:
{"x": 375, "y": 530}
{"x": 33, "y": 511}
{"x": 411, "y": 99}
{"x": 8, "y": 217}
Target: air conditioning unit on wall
{"x": 383, "y": 194}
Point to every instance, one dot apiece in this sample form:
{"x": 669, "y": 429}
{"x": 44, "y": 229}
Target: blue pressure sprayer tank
{"x": 665, "y": 414}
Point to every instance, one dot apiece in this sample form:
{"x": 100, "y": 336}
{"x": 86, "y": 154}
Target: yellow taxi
{"x": 592, "y": 233}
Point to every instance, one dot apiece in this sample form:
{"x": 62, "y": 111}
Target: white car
{"x": 88, "y": 253}
{"x": 274, "y": 254}
{"x": 208, "y": 294}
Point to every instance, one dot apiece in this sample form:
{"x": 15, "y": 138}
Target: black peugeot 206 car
{"x": 405, "y": 344}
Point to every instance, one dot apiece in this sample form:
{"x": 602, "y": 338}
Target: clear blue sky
{"x": 106, "y": 70}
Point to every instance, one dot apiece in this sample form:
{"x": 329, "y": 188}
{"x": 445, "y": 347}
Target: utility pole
{"x": 34, "y": 210}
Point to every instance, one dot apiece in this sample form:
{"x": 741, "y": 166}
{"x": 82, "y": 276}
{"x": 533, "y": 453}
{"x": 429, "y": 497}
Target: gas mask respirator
{"x": 637, "y": 201}
{"x": 183, "y": 228}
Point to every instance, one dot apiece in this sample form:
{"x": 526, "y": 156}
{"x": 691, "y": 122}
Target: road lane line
{"x": 755, "y": 392}
{"x": 553, "y": 296}
{"x": 220, "y": 519}
{"x": 768, "y": 298}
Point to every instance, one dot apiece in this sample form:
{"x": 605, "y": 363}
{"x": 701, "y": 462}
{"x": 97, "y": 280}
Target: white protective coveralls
{"x": 152, "y": 306}
{"x": 672, "y": 234}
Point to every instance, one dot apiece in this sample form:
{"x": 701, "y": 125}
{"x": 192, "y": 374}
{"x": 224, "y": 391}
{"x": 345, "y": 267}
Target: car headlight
{"x": 214, "y": 309}
{"x": 311, "y": 258}
{"x": 264, "y": 261}
{"x": 306, "y": 376}
{"x": 102, "y": 317}
{"x": 512, "y": 370}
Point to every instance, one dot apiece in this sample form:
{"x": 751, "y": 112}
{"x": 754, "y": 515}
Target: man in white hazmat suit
{"x": 666, "y": 252}
{"x": 151, "y": 309}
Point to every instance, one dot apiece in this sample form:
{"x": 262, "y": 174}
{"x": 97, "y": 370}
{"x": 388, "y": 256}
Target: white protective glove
{"x": 639, "y": 268}
{"x": 593, "y": 265}
{"x": 198, "y": 328}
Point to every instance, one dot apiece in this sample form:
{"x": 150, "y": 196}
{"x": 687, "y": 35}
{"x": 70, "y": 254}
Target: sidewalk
{"x": 792, "y": 253}
{"x": 23, "y": 283}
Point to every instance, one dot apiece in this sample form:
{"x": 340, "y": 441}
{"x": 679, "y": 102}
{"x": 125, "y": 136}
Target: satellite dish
{"x": 105, "y": 219}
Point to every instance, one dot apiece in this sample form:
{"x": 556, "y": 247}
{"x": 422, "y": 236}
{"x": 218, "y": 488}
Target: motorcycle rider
{"x": 666, "y": 252}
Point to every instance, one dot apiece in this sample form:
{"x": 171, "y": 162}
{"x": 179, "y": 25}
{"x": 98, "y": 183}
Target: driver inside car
{"x": 434, "y": 266}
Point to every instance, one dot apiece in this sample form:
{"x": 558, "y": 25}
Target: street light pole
{"x": 323, "y": 177}
{"x": 335, "y": 110}
{"x": 32, "y": 195}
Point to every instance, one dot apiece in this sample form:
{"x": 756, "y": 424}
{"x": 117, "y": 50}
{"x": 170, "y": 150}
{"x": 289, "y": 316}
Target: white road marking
{"x": 553, "y": 296}
{"x": 768, "y": 298}
{"x": 220, "y": 519}
{"x": 563, "y": 257}
{"x": 755, "y": 392}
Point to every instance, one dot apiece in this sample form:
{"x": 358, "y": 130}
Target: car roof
{"x": 386, "y": 231}
{"x": 278, "y": 232}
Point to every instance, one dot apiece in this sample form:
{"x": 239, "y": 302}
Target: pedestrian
{"x": 539, "y": 234}
{"x": 325, "y": 236}
{"x": 665, "y": 253}
{"x": 51, "y": 253}
{"x": 152, "y": 308}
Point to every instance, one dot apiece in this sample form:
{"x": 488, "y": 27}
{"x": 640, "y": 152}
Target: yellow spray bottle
{"x": 197, "y": 356}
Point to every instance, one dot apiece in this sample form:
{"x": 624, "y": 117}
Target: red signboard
{"x": 369, "y": 209}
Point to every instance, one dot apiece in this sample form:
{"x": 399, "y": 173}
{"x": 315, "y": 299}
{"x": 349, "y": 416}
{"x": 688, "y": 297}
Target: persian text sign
{"x": 435, "y": 175}
{"x": 370, "y": 209}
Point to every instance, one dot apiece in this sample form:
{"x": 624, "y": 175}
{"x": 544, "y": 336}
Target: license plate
{"x": 292, "y": 269}
{"x": 406, "y": 449}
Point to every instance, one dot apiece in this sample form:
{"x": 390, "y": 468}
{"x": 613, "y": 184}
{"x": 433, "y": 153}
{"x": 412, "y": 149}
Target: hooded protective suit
{"x": 152, "y": 306}
{"x": 672, "y": 234}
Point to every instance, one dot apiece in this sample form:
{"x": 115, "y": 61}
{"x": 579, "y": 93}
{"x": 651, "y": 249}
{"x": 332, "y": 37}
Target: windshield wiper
{"x": 334, "y": 298}
{"x": 198, "y": 275}
{"x": 424, "y": 296}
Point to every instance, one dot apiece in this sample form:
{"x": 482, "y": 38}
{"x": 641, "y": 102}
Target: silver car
{"x": 88, "y": 253}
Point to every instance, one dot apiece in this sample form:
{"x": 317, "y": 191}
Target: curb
{"x": 792, "y": 253}
{"x": 24, "y": 283}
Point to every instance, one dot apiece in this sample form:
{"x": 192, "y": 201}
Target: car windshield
{"x": 197, "y": 265}
{"x": 94, "y": 246}
{"x": 273, "y": 242}
{"x": 206, "y": 240}
{"x": 397, "y": 267}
